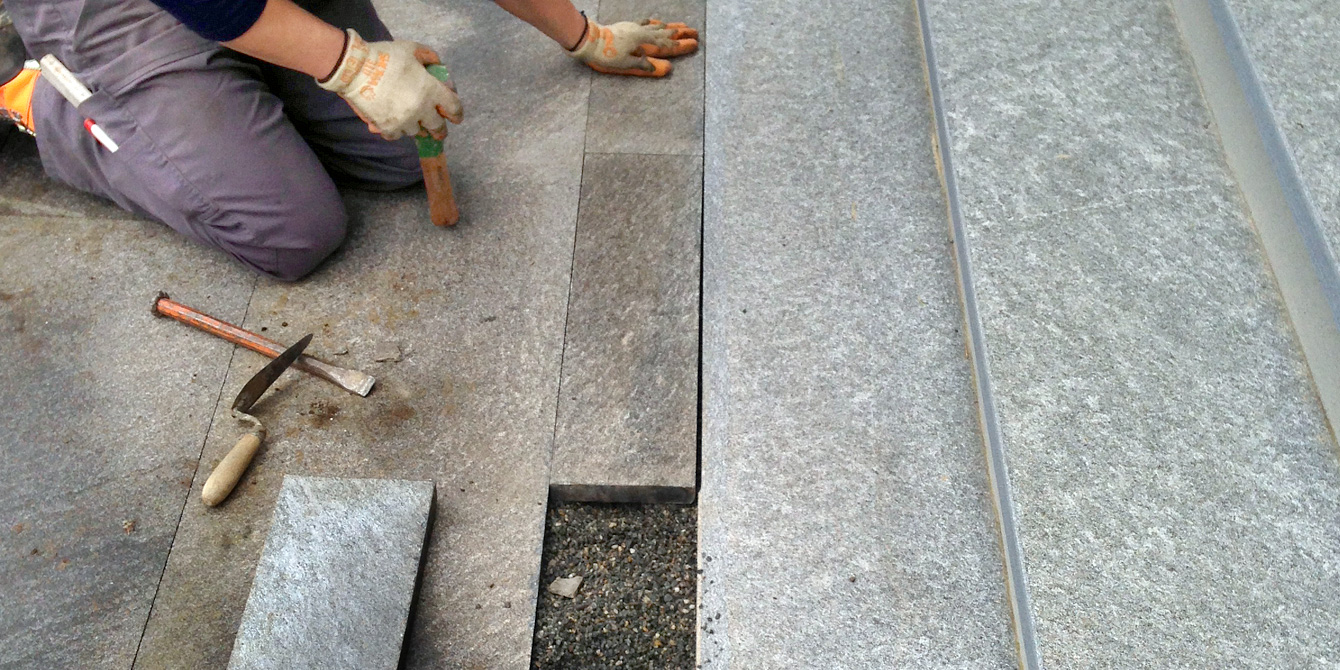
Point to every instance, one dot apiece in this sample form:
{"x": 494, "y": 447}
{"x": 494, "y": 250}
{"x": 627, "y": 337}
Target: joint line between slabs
{"x": 209, "y": 428}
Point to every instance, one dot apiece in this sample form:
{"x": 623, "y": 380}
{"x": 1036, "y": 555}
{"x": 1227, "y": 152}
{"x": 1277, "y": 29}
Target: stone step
{"x": 845, "y": 520}
{"x": 336, "y": 581}
{"x": 1267, "y": 71}
{"x": 1176, "y": 486}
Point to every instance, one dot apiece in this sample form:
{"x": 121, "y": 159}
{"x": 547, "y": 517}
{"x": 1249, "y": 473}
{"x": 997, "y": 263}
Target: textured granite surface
{"x": 478, "y": 313}
{"x": 1292, "y": 44}
{"x": 1178, "y": 492}
{"x": 336, "y": 579}
{"x": 628, "y": 406}
{"x": 845, "y": 521}
{"x": 105, "y": 408}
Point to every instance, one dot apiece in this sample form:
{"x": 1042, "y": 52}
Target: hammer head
{"x": 255, "y": 388}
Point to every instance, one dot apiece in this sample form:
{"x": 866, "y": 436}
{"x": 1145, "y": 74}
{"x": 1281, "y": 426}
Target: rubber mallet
{"x": 441, "y": 200}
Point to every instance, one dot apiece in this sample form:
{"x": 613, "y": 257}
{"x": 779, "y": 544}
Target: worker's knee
{"x": 395, "y": 169}
{"x": 290, "y": 247}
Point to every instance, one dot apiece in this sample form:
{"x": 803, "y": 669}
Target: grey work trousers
{"x": 237, "y": 154}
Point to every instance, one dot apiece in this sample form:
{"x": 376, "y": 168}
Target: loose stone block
{"x": 337, "y": 577}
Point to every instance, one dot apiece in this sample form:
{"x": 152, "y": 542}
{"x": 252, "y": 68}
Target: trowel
{"x": 230, "y": 469}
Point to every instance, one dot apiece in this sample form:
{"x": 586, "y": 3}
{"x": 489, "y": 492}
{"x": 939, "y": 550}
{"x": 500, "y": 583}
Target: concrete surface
{"x": 627, "y": 426}
{"x": 337, "y": 576}
{"x": 105, "y": 409}
{"x": 1292, "y": 45}
{"x": 1176, "y": 485}
{"x": 844, "y": 516}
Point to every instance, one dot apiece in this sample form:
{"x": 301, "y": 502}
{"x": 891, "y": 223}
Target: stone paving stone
{"x": 636, "y": 115}
{"x": 105, "y": 408}
{"x": 478, "y": 312}
{"x": 1177, "y": 489}
{"x": 25, "y": 189}
{"x": 337, "y": 576}
{"x": 845, "y": 520}
{"x": 628, "y": 406}
{"x": 1292, "y": 45}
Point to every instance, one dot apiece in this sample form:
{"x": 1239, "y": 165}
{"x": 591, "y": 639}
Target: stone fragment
{"x": 566, "y": 586}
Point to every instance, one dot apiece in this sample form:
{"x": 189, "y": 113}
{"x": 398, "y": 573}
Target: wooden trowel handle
{"x": 229, "y": 470}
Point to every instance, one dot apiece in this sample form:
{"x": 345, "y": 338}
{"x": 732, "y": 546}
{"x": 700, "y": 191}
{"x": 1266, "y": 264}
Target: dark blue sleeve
{"x": 218, "y": 20}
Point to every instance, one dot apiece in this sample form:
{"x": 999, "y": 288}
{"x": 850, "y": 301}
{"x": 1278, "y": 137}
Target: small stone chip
{"x": 387, "y": 351}
{"x": 128, "y": 526}
{"x": 566, "y": 586}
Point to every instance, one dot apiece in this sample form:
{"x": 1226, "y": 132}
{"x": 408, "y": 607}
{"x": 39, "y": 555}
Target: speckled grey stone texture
{"x": 628, "y": 407}
{"x": 336, "y": 579}
{"x": 1177, "y": 491}
{"x": 637, "y": 115}
{"x": 845, "y": 521}
{"x": 104, "y": 409}
{"x": 1292, "y": 44}
{"x": 478, "y": 312}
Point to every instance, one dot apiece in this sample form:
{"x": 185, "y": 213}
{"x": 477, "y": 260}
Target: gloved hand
{"x": 633, "y": 48}
{"x": 388, "y": 87}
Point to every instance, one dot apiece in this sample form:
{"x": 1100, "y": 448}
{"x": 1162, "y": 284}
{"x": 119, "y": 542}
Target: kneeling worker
{"x": 235, "y": 119}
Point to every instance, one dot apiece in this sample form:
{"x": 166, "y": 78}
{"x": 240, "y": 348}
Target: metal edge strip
{"x": 1281, "y": 158}
{"x": 1021, "y": 608}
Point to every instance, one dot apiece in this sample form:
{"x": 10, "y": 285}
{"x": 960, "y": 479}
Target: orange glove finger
{"x": 659, "y": 68}
{"x": 678, "y": 31}
{"x": 676, "y": 48}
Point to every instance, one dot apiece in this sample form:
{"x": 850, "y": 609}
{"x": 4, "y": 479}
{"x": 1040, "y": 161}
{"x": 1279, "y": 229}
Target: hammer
{"x": 441, "y": 201}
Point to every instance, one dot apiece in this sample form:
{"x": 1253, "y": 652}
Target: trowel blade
{"x": 255, "y": 388}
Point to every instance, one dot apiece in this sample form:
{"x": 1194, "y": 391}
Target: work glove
{"x": 638, "y": 49}
{"x": 388, "y": 87}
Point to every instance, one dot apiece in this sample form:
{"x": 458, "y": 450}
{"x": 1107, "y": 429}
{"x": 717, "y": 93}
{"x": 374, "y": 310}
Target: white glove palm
{"x": 388, "y": 87}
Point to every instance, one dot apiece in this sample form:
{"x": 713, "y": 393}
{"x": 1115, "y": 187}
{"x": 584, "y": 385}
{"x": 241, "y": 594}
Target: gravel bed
{"x": 635, "y": 606}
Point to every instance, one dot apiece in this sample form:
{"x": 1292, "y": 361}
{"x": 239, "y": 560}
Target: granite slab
{"x": 477, "y": 312}
{"x": 636, "y": 115}
{"x": 1177, "y": 489}
{"x": 105, "y": 408}
{"x": 336, "y": 580}
{"x": 627, "y": 427}
{"x": 844, "y": 515}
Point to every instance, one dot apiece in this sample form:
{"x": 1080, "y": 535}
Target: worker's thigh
{"x": 341, "y": 140}
{"x": 206, "y": 148}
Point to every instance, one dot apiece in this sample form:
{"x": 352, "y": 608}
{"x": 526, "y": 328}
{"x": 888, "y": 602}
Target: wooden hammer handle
{"x": 349, "y": 380}
{"x": 441, "y": 199}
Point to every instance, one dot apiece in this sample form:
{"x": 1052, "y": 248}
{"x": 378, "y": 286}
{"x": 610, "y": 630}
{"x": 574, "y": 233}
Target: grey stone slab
{"x": 636, "y": 115}
{"x": 25, "y": 190}
{"x": 1292, "y": 45}
{"x": 1177, "y": 490}
{"x": 478, "y": 313}
{"x": 845, "y": 520}
{"x": 105, "y": 410}
{"x": 627, "y": 426}
{"x": 336, "y": 579}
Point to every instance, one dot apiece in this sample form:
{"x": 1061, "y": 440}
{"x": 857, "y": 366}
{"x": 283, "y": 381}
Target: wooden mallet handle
{"x": 441, "y": 200}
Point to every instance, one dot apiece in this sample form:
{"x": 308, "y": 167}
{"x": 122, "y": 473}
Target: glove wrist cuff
{"x": 353, "y": 56}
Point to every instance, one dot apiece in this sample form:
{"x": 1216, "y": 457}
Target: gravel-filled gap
{"x": 635, "y": 605}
